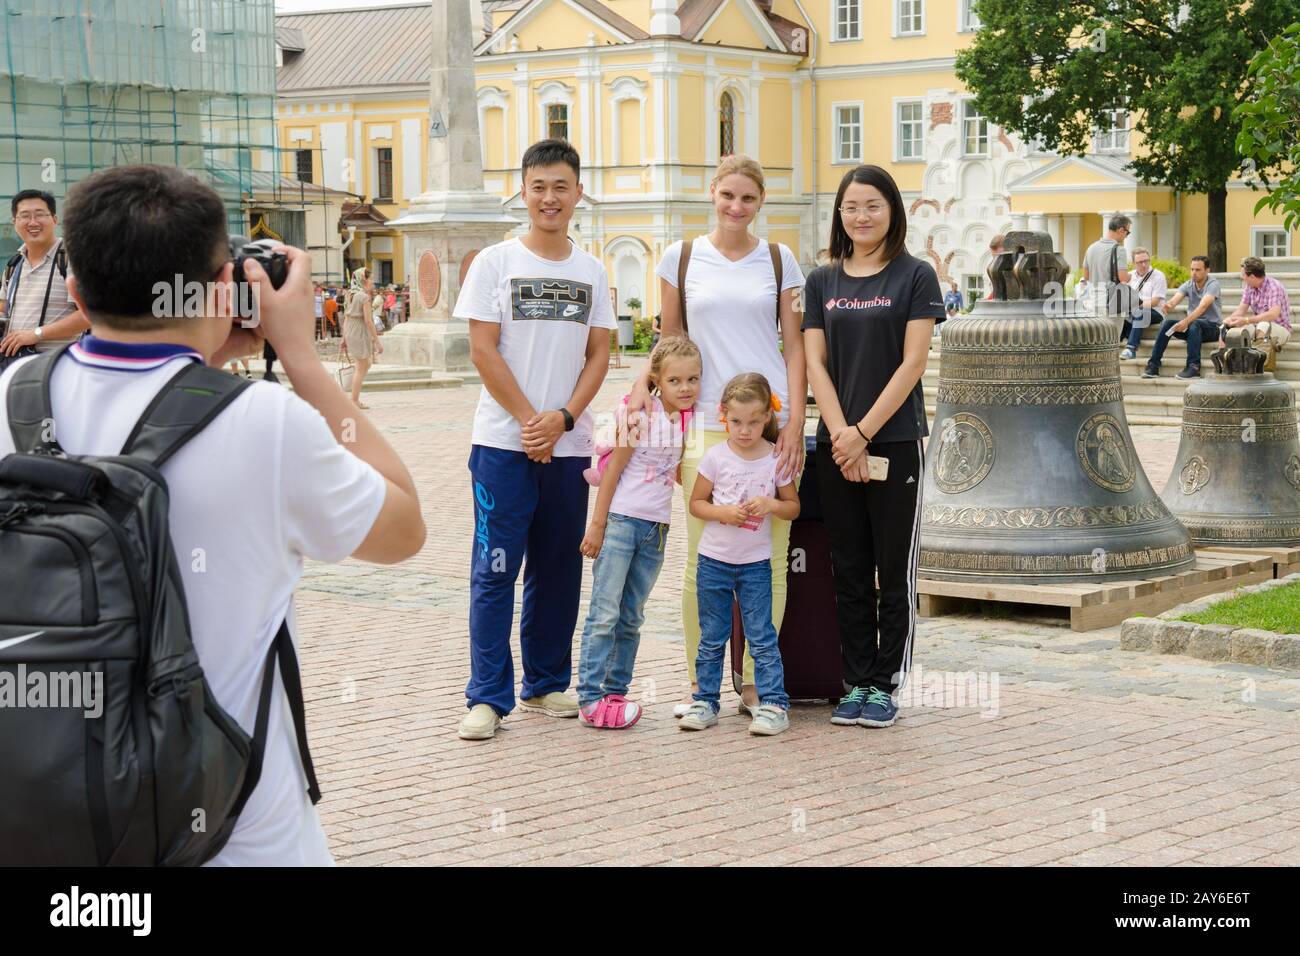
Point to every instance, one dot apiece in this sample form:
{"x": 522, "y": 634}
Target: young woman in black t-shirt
{"x": 868, "y": 319}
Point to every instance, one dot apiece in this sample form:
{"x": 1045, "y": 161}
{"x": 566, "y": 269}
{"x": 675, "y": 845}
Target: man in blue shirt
{"x": 952, "y": 300}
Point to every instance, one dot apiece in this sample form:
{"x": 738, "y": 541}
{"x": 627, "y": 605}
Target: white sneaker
{"x": 480, "y": 723}
{"x": 700, "y": 716}
{"x": 769, "y": 721}
{"x": 552, "y": 705}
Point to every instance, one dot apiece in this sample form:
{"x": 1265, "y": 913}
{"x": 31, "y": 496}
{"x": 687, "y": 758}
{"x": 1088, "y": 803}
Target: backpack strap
{"x": 11, "y": 266}
{"x": 13, "y": 275}
{"x": 683, "y": 261}
{"x": 182, "y": 408}
{"x": 778, "y": 269}
{"x": 281, "y": 651}
{"x": 31, "y": 417}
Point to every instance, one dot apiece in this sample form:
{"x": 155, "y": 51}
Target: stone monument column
{"x": 445, "y": 226}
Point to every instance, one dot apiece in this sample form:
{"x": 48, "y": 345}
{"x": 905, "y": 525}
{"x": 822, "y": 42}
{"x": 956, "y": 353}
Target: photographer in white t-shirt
{"x": 275, "y": 477}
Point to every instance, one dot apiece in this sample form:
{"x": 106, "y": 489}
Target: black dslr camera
{"x": 276, "y": 264}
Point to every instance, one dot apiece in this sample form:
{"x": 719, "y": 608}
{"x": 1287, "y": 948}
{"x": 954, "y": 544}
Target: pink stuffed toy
{"x": 604, "y": 450}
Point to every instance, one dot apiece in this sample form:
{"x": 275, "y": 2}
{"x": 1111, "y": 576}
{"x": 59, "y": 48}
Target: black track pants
{"x": 875, "y": 532}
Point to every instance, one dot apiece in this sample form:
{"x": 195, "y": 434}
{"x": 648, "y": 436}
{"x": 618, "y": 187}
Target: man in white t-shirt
{"x": 1150, "y": 288}
{"x": 539, "y": 318}
{"x": 277, "y": 475}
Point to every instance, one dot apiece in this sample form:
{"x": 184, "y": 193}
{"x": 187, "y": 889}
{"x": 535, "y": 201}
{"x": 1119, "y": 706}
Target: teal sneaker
{"x": 849, "y": 710}
{"x": 880, "y": 710}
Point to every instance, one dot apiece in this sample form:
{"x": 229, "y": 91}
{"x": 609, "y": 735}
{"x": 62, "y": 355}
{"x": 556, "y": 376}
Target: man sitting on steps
{"x": 1265, "y": 307}
{"x": 1200, "y": 324}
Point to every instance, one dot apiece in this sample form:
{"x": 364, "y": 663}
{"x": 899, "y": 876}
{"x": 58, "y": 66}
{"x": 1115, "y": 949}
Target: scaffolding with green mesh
{"x": 86, "y": 84}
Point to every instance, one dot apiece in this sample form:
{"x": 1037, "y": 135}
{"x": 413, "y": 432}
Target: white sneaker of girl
{"x": 769, "y": 720}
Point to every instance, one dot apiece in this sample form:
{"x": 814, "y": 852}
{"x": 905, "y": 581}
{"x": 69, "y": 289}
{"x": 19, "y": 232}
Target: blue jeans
{"x": 621, "y": 579}
{"x": 1199, "y": 331}
{"x": 524, "y": 509}
{"x": 1133, "y": 327}
{"x": 716, "y": 583}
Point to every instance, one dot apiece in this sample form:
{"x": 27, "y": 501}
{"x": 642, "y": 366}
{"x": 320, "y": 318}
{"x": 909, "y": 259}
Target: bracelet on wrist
{"x": 862, "y": 433}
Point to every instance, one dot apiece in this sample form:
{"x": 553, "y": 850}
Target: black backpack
{"x": 93, "y": 594}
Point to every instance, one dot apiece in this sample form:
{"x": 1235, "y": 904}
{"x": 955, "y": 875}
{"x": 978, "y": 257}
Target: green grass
{"x": 1277, "y": 609}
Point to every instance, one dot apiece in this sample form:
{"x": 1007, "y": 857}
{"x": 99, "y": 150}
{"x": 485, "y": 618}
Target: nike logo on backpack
{"x": 18, "y": 640}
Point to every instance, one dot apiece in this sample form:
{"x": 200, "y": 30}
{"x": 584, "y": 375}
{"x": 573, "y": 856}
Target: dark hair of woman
{"x": 895, "y": 241}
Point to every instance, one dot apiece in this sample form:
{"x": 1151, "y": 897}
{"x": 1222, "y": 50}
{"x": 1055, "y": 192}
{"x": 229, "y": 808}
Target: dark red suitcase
{"x": 810, "y": 631}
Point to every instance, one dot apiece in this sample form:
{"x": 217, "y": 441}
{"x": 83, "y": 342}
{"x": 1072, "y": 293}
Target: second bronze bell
{"x": 1236, "y": 480}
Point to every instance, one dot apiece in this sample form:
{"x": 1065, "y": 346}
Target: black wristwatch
{"x": 568, "y": 419}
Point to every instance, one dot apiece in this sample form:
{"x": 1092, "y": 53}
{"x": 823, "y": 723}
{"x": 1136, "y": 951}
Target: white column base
{"x": 439, "y": 346}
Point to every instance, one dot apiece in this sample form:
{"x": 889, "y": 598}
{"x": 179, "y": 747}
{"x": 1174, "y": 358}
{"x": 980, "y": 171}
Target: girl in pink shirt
{"x": 626, "y": 536}
{"x": 737, "y": 492}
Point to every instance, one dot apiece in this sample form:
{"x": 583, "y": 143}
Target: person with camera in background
{"x": 35, "y": 311}
{"x": 274, "y": 459}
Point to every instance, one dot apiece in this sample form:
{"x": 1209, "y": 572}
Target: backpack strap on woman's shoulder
{"x": 682, "y": 262}
{"x": 778, "y": 270}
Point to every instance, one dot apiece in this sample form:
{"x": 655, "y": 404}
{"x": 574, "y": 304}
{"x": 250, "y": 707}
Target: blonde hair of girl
{"x": 743, "y": 165}
{"x": 672, "y": 347}
{"x": 752, "y": 387}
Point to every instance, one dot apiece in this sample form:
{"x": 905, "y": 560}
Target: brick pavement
{"x": 1091, "y": 756}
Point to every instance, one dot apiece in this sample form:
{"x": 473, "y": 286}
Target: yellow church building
{"x": 653, "y": 92}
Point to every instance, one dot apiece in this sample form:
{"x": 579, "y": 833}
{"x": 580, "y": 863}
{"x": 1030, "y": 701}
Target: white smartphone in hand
{"x": 877, "y": 468}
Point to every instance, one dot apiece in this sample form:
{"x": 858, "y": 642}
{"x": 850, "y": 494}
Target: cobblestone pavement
{"x": 1077, "y": 754}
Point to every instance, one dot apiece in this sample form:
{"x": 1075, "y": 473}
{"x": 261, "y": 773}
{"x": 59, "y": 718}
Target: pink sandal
{"x": 611, "y": 712}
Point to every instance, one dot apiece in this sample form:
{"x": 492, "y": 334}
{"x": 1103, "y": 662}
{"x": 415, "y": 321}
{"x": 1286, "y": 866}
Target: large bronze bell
{"x": 1031, "y": 476}
{"x": 1236, "y": 481}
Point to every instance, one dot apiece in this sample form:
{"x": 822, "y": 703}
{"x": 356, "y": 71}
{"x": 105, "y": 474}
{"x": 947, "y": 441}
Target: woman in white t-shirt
{"x": 739, "y": 318}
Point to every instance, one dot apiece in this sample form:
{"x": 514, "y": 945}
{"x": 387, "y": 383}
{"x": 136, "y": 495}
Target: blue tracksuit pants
{"x": 530, "y": 515}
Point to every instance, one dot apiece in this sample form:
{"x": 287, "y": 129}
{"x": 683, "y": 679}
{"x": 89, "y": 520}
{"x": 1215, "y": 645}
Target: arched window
{"x": 726, "y": 126}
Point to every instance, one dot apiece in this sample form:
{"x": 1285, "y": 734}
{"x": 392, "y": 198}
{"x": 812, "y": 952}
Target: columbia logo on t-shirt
{"x": 879, "y": 302}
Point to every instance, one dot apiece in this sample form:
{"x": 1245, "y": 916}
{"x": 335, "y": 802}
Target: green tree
{"x": 1053, "y": 70}
{"x": 1269, "y": 137}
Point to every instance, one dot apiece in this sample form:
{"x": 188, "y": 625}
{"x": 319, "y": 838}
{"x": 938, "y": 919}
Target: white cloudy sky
{"x": 297, "y": 6}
